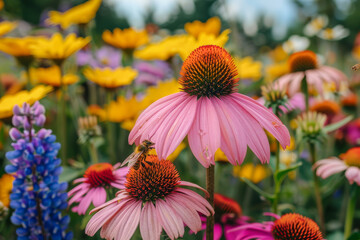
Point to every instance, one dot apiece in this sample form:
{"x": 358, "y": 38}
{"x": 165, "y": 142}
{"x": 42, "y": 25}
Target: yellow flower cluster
{"x": 52, "y": 76}
{"x": 127, "y": 39}
{"x": 111, "y": 78}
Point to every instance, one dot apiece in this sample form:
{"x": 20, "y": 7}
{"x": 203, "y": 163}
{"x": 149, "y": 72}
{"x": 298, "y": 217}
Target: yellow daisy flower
{"x": 51, "y": 76}
{"x": 212, "y": 27}
{"x": 276, "y": 70}
{"x": 220, "y": 156}
{"x": 80, "y": 14}
{"x": 6, "y": 183}
{"x": 255, "y": 173}
{"x": 163, "y": 50}
{"x": 279, "y": 54}
{"x": 6, "y": 27}
{"x": 161, "y": 90}
{"x": 248, "y": 68}
{"x": 203, "y": 39}
{"x": 18, "y": 47}
{"x": 8, "y": 102}
{"x": 111, "y": 78}
{"x": 127, "y": 39}
{"x": 58, "y": 48}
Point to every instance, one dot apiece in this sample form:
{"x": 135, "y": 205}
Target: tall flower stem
{"x": 276, "y": 181}
{"x": 317, "y": 188}
{"x": 305, "y": 90}
{"x": 210, "y": 187}
{"x": 110, "y": 129}
{"x": 93, "y": 153}
{"x": 62, "y": 115}
{"x": 350, "y": 212}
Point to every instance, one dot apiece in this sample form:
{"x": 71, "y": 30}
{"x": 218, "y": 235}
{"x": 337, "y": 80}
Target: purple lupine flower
{"x": 150, "y": 73}
{"x": 37, "y": 196}
{"x": 104, "y": 57}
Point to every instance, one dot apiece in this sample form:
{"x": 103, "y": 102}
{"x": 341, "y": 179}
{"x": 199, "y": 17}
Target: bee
{"x": 356, "y": 67}
{"x": 138, "y": 157}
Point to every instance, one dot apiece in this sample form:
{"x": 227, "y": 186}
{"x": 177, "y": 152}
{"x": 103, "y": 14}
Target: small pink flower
{"x": 350, "y": 163}
{"x": 288, "y": 226}
{"x": 92, "y": 188}
{"x": 210, "y": 113}
{"x": 153, "y": 198}
{"x": 303, "y": 64}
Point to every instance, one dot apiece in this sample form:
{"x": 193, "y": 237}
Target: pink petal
{"x": 171, "y": 222}
{"x": 131, "y": 223}
{"x": 265, "y": 117}
{"x": 352, "y": 173}
{"x": 189, "y": 184}
{"x": 233, "y": 141}
{"x": 193, "y": 200}
{"x": 329, "y": 169}
{"x": 204, "y": 135}
{"x": 82, "y": 187}
{"x": 119, "y": 198}
{"x": 150, "y": 227}
{"x": 295, "y": 83}
{"x": 99, "y": 197}
{"x": 85, "y": 202}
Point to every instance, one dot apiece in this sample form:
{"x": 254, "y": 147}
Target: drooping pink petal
{"x": 126, "y": 231}
{"x": 233, "y": 141}
{"x": 171, "y": 223}
{"x": 193, "y": 200}
{"x": 265, "y": 117}
{"x": 120, "y": 197}
{"x": 150, "y": 227}
{"x": 79, "y": 180}
{"x": 85, "y": 202}
{"x": 204, "y": 134}
{"x": 328, "y": 169}
{"x": 189, "y": 184}
{"x": 352, "y": 173}
{"x": 295, "y": 83}
{"x": 99, "y": 196}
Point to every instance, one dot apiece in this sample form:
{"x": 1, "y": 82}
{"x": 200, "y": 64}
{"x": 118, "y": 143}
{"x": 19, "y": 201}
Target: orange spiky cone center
{"x": 155, "y": 180}
{"x": 302, "y": 61}
{"x": 296, "y": 227}
{"x": 326, "y": 107}
{"x": 100, "y": 174}
{"x": 352, "y": 157}
{"x": 209, "y": 71}
{"x": 224, "y": 205}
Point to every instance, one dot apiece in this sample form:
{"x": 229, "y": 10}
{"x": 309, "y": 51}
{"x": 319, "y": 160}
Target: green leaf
{"x": 266, "y": 195}
{"x": 337, "y": 125}
{"x": 354, "y": 236}
{"x": 69, "y": 174}
{"x": 282, "y": 173}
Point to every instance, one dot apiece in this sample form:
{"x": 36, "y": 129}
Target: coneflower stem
{"x": 93, "y": 153}
{"x": 317, "y": 189}
{"x": 305, "y": 90}
{"x": 276, "y": 182}
{"x": 350, "y": 212}
{"x": 210, "y": 221}
{"x": 110, "y": 129}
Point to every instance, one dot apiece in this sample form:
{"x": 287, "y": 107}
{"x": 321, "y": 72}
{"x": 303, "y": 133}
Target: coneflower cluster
{"x": 37, "y": 196}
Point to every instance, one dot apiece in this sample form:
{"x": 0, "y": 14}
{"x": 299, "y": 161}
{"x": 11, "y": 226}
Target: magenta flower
{"x": 210, "y": 113}
{"x": 303, "y": 64}
{"x": 350, "y": 163}
{"x": 93, "y": 185}
{"x": 153, "y": 198}
{"x": 288, "y": 226}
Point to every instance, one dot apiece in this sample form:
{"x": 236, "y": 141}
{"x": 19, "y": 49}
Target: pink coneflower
{"x": 228, "y": 216}
{"x": 303, "y": 64}
{"x": 350, "y": 163}
{"x": 154, "y": 198}
{"x": 93, "y": 185}
{"x": 210, "y": 113}
{"x": 289, "y": 226}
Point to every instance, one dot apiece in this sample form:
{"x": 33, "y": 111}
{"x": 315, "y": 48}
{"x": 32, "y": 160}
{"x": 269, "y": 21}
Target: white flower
{"x": 315, "y": 25}
{"x": 336, "y": 33}
{"x": 295, "y": 44}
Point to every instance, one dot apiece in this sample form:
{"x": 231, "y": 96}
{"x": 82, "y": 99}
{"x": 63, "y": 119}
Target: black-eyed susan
{"x": 6, "y": 183}
{"x": 58, "y": 48}
{"x": 248, "y": 68}
{"x": 212, "y": 27}
{"x": 127, "y": 39}
{"x": 52, "y": 76}
{"x": 111, "y": 78}
{"x": 80, "y": 14}
{"x": 6, "y": 27}
{"x": 8, "y": 102}
{"x": 255, "y": 173}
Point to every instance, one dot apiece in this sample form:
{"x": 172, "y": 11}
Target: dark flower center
{"x": 208, "y": 71}
{"x": 293, "y": 226}
{"x": 156, "y": 179}
{"x": 302, "y": 61}
{"x": 100, "y": 174}
{"x": 226, "y": 206}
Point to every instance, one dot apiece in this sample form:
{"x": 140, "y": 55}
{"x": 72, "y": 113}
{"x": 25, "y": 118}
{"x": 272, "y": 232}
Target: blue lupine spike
{"x": 11, "y": 168}
{"x": 13, "y": 154}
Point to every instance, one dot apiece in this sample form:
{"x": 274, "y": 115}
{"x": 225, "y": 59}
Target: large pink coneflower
{"x": 349, "y": 162}
{"x": 210, "y": 113}
{"x": 305, "y": 64}
{"x": 93, "y": 185}
{"x": 289, "y": 226}
{"x": 153, "y": 198}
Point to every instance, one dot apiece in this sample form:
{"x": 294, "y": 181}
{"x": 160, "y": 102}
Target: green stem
{"x": 62, "y": 116}
{"x": 276, "y": 181}
{"x": 305, "y": 90}
{"x": 93, "y": 153}
{"x": 110, "y": 130}
{"x": 350, "y": 212}
{"x": 210, "y": 221}
{"x": 127, "y": 58}
{"x": 317, "y": 189}
{"x": 358, "y": 102}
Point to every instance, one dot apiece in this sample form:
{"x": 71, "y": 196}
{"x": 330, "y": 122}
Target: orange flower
{"x": 211, "y": 26}
{"x": 127, "y": 39}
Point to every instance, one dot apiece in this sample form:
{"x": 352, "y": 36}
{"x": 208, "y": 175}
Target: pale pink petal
{"x": 126, "y": 231}
{"x": 121, "y": 196}
{"x": 204, "y": 135}
{"x": 265, "y": 117}
{"x": 81, "y": 188}
{"x": 174, "y": 126}
{"x": 188, "y": 215}
{"x": 85, "y": 201}
{"x": 193, "y": 200}
{"x": 189, "y": 184}
{"x": 326, "y": 161}
{"x": 233, "y": 141}
{"x": 283, "y": 81}
{"x": 171, "y": 222}
{"x": 150, "y": 227}
{"x": 79, "y": 180}
{"x": 295, "y": 83}
{"x": 99, "y": 197}
{"x": 118, "y": 185}
{"x": 352, "y": 173}
{"x": 326, "y": 170}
